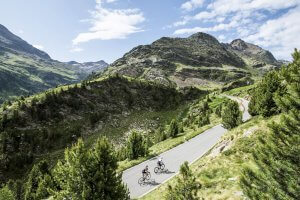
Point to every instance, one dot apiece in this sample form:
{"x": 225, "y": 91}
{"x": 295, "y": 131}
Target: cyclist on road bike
{"x": 160, "y": 162}
{"x": 145, "y": 171}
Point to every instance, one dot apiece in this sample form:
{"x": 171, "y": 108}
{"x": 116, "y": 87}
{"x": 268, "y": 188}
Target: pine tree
{"x": 231, "y": 115}
{"x": 35, "y": 178}
{"x": 186, "y": 186}
{"x": 173, "y": 129}
{"x": 6, "y": 194}
{"x": 89, "y": 174}
{"x": 218, "y": 111}
{"x": 262, "y": 101}
{"x": 136, "y": 146}
{"x": 277, "y": 155}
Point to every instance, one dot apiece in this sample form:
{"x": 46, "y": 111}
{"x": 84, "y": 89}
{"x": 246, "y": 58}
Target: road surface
{"x": 189, "y": 151}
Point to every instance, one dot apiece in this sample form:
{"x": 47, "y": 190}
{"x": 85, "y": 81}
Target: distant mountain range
{"x": 25, "y": 70}
{"x": 197, "y": 60}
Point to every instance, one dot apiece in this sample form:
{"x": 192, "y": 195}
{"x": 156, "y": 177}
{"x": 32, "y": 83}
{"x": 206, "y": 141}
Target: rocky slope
{"x": 89, "y": 67}
{"x": 253, "y": 55}
{"x": 25, "y": 70}
{"x": 197, "y": 60}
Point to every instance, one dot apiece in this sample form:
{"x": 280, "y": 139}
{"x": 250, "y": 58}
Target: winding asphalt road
{"x": 189, "y": 151}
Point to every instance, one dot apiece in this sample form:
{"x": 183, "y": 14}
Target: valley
{"x": 223, "y": 116}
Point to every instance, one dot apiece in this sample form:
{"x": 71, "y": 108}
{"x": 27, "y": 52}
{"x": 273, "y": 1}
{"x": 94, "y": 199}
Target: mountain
{"x": 25, "y": 70}
{"x": 253, "y": 55}
{"x": 11, "y": 42}
{"x": 197, "y": 60}
{"x": 89, "y": 67}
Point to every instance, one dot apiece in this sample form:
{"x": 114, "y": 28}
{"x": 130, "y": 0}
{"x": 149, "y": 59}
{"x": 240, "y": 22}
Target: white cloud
{"x": 222, "y": 37}
{"x": 110, "y": 24}
{"x": 218, "y": 27}
{"x": 280, "y": 35}
{"x": 38, "y": 46}
{"x": 192, "y": 4}
{"x": 204, "y": 15}
{"x": 261, "y": 22}
{"x": 76, "y": 50}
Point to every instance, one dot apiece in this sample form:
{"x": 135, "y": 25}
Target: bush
{"x": 231, "y": 115}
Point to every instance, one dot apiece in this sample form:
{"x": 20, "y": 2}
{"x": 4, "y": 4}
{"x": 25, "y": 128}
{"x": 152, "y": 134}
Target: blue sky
{"x": 90, "y": 30}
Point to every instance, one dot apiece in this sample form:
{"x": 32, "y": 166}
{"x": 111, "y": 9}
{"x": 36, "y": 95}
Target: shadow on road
{"x": 166, "y": 171}
{"x": 150, "y": 182}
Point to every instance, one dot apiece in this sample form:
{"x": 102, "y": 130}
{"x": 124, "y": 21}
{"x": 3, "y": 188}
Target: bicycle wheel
{"x": 156, "y": 169}
{"x": 141, "y": 180}
{"x": 162, "y": 166}
{"x": 148, "y": 176}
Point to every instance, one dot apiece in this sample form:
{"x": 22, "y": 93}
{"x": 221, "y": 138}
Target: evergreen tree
{"x": 89, "y": 174}
{"x": 160, "y": 135}
{"x": 173, "y": 129}
{"x": 36, "y": 182}
{"x": 136, "y": 146}
{"x": 218, "y": 111}
{"x": 277, "y": 155}
{"x": 262, "y": 101}
{"x": 231, "y": 115}
{"x": 6, "y": 194}
{"x": 186, "y": 186}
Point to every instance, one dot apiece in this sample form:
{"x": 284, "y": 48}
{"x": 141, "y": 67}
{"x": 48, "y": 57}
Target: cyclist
{"x": 160, "y": 162}
{"x": 145, "y": 171}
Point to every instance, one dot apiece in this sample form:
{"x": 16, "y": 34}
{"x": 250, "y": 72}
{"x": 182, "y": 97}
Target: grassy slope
{"x": 220, "y": 169}
{"x": 189, "y": 132}
{"x": 24, "y": 75}
{"x": 241, "y": 91}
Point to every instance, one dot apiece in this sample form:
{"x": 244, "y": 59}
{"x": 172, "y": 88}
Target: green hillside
{"x": 50, "y": 121}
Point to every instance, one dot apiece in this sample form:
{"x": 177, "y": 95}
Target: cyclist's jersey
{"x": 144, "y": 171}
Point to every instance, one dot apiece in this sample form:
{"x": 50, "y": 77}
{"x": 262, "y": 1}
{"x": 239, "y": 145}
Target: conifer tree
{"x": 277, "y": 155}
{"x": 173, "y": 129}
{"x": 263, "y": 98}
{"x": 89, "y": 174}
{"x": 186, "y": 186}
{"x": 231, "y": 115}
{"x": 6, "y": 193}
{"x": 136, "y": 146}
{"x": 34, "y": 181}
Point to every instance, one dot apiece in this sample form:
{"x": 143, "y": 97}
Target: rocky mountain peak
{"x": 238, "y": 44}
{"x": 204, "y": 38}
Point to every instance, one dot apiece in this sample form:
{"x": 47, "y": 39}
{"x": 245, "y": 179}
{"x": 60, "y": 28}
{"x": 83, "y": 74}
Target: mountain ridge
{"x": 25, "y": 70}
{"x": 199, "y": 59}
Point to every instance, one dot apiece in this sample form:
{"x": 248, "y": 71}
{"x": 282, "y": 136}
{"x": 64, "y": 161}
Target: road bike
{"x": 146, "y": 177}
{"x": 159, "y": 168}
